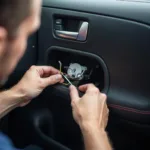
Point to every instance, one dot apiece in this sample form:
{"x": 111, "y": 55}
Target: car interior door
{"x": 104, "y": 42}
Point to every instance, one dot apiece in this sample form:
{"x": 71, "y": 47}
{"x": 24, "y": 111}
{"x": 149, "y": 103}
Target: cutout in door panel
{"x": 96, "y": 71}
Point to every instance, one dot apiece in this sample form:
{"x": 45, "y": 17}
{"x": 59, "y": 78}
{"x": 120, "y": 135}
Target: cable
{"x": 60, "y": 66}
{"x": 60, "y": 69}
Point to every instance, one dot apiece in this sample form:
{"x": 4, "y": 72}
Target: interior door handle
{"x": 67, "y": 34}
{"x": 79, "y": 36}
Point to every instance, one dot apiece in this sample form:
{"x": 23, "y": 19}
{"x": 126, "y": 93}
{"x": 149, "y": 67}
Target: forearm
{"x": 95, "y": 139}
{"x": 9, "y": 100}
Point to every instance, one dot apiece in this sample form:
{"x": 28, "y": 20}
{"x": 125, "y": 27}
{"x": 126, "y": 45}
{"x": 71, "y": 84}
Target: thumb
{"x": 74, "y": 93}
{"x": 52, "y": 80}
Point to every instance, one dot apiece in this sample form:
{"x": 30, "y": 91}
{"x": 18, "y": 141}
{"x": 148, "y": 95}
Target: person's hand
{"x": 91, "y": 109}
{"x": 35, "y": 80}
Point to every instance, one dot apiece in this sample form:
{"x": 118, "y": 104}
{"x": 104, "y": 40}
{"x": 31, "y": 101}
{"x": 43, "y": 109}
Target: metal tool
{"x": 67, "y": 79}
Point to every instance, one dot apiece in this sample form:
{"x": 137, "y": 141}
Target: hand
{"x": 36, "y": 79}
{"x": 91, "y": 109}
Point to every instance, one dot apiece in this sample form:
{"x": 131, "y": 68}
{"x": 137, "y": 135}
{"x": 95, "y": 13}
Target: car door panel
{"x": 118, "y": 42}
{"x": 118, "y": 34}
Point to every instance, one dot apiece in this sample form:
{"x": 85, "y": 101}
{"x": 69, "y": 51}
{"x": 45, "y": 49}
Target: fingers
{"x": 74, "y": 93}
{"x": 103, "y": 96}
{"x": 86, "y": 87}
{"x": 48, "y": 75}
{"x": 45, "y": 70}
{"x": 52, "y": 80}
{"x": 106, "y": 115}
{"x": 89, "y": 88}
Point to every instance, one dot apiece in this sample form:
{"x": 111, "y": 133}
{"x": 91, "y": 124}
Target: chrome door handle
{"x": 67, "y": 34}
{"x": 79, "y": 36}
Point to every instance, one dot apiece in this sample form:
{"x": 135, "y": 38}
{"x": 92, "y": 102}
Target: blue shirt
{"x": 6, "y": 144}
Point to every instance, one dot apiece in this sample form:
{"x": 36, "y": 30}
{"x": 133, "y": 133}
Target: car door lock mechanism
{"x": 75, "y": 73}
{"x": 78, "y": 68}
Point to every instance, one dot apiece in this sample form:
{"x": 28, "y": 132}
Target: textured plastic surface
{"x": 124, "y": 46}
{"x": 139, "y": 11}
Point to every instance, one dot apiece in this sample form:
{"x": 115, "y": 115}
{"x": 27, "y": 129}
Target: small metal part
{"x": 76, "y": 71}
{"x": 67, "y": 79}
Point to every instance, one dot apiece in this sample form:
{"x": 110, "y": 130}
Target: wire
{"x": 60, "y": 69}
{"x": 60, "y": 66}
{"x": 81, "y": 74}
{"x": 65, "y": 84}
{"x": 67, "y": 79}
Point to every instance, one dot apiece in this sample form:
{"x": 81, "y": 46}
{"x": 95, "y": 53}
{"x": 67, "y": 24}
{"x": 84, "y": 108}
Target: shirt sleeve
{"x": 5, "y": 143}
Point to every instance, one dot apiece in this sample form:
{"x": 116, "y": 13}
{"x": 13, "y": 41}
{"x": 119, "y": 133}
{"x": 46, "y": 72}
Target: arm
{"x": 95, "y": 139}
{"x": 91, "y": 113}
{"x": 31, "y": 85}
{"x": 9, "y": 100}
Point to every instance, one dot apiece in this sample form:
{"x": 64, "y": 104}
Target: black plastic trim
{"x": 135, "y": 11}
{"x": 106, "y": 74}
